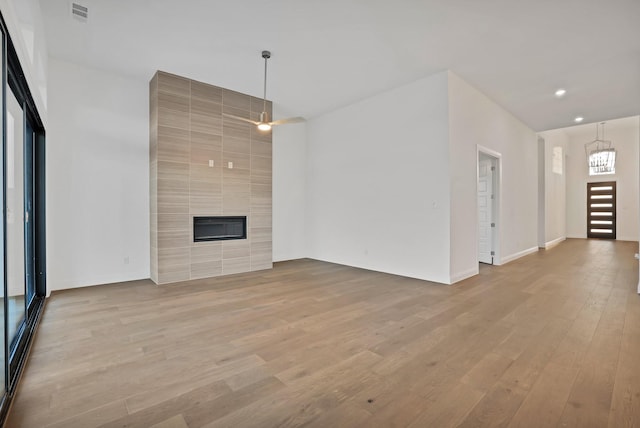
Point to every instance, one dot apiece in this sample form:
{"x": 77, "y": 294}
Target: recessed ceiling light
{"x": 561, "y": 93}
{"x": 578, "y": 119}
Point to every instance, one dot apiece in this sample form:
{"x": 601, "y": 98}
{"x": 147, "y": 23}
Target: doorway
{"x": 601, "y": 210}
{"x": 488, "y": 206}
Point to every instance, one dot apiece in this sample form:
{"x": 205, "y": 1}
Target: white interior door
{"x": 485, "y": 211}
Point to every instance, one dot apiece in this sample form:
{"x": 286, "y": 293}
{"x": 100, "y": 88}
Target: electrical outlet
{"x": 126, "y": 260}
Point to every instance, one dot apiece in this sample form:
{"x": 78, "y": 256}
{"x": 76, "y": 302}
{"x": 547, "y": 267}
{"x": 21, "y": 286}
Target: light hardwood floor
{"x": 552, "y": 339}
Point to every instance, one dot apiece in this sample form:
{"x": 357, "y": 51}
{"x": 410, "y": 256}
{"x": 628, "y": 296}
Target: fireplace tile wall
{"x": 187, "y": 131}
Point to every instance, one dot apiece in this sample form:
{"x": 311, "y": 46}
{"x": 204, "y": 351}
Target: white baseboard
{"x": 519, "y": 254}
{"x": 554, "y": 242}
{"x": 102, "y": 280}
{"x": 627, "y": 238}
{"x": 464, "y": 275}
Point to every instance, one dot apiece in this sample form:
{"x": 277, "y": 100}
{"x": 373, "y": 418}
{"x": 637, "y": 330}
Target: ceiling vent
{"x": 79, "y": 12}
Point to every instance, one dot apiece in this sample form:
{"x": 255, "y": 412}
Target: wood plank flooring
{"x": 552, "y": 339}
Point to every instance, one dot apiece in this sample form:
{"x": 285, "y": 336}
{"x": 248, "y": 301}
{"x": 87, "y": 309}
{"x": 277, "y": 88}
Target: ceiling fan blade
{"x": 288, "y": 120}
{"x": 244, "y": 119}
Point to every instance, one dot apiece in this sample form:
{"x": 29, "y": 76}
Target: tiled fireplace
{"x": 204, "y": 165}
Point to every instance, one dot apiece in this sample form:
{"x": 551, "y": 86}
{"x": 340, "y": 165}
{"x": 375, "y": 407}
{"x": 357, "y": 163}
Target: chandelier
{"x": 601, "y": 156}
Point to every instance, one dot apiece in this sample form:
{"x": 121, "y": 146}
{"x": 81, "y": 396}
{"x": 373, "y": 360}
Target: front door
{"x": 601, "y": 210}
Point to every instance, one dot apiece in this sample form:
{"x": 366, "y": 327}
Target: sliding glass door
{"x": 22, "y": 180}
{"x": 29, "y": 203}
{"x": 22, "y": 171}
{"x": 3, "y": 305}
{"x": 15, "y": 217}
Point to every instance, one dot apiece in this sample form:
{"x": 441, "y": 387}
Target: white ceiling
{"x": 331, "y": 53}
{"x": 587, "y": 133}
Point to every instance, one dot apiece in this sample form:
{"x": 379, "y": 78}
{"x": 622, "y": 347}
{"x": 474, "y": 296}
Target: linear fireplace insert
{"x": 219, "y": 228}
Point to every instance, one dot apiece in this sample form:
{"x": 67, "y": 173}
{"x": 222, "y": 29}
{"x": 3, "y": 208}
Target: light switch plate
{"x": 211, "y": 162}
{"x": 230, "y": 165}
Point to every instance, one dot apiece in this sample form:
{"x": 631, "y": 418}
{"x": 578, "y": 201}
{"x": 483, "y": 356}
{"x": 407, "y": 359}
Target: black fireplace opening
{"x": 219, "y": 228}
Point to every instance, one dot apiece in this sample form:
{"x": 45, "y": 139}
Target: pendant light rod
{"x": 266, "y": 55}
{"x": 266, "y": 123}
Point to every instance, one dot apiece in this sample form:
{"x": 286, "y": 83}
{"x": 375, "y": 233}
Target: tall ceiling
{"x": 587, "y": 133}
{"x": 327, "y": 54}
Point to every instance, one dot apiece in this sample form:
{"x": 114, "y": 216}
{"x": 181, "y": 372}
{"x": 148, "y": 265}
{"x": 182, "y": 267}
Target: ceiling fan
{"x": 264, "y": 124}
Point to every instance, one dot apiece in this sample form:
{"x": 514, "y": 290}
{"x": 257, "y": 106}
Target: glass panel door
{"x": 29, "y": 258}
{"x": 15, "y": 217}
{"x": 23, "y": 258}
{"x": 4, "y": 305}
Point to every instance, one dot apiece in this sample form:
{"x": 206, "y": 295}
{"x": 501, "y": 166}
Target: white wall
{"x": 624, "y": 133}
{"x": 97, "y": 176}
{"x": 554, "y": 206}
{"x": 377, "y": 188}
{"x": 289, "y": 189}
{"x": 475, "y": 120}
